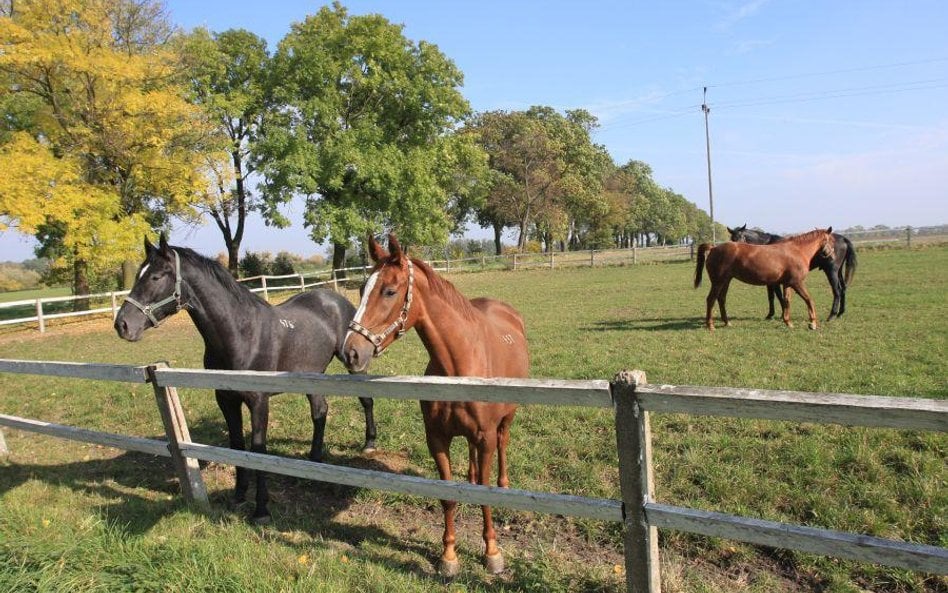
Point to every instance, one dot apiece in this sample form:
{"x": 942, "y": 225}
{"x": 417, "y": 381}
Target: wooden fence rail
{"x": 631, "y": 397}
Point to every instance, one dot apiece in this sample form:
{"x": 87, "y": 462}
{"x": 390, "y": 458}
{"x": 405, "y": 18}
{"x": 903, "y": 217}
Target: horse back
{"x": 754, "y": 264}
{"x": 505, "y": 339}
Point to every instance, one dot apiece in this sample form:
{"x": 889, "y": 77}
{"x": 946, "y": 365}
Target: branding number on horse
{"x": 286, "y": 323}
{"x": 507, "y": 338}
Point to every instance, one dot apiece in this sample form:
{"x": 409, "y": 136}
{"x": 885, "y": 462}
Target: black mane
{"x": 220, "y": 274}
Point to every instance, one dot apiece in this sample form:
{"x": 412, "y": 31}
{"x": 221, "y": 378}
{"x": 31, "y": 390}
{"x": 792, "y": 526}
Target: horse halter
{"x": 175, "y": 297}
{"x": 377, "y": 339}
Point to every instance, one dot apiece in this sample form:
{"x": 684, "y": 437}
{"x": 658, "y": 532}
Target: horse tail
{"x": 703, "y": 250}
{"x": 849, "y": 262}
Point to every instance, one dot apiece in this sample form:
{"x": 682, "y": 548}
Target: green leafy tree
{"x": 226, "y": 74}
{"x": 360, "y": 124}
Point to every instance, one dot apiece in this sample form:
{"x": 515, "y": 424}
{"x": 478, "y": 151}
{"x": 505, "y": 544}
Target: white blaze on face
{"x": 369, "y": 286}
{"x": 142, "y": 273}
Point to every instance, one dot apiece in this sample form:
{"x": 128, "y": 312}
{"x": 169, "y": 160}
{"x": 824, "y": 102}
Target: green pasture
{"x": 77, "y": 517}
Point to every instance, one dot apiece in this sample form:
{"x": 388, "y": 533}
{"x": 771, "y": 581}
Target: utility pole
{"x": 707, "y": 142}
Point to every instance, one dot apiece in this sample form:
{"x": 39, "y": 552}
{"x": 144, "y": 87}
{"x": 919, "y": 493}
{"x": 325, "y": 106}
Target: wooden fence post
{"x": 908, "y": 237}
{"x": 592, "y": 258}
{"x": 266, "y": 296}
{"x": 515, "y": 262}
{"x": 634, "y": 259}
{"x": 552, "y": 259}
{"x": 39, "y": 315}
{"x": 3, "y": 445}
{"x": 634, "y": 440}
{"x": 114, "y": 305}
{"x": 302, "y": 284}
{"x": 176, "y": 428}
{"x": 335, "y": 280}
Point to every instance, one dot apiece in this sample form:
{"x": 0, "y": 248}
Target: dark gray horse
{"x": 241, "y": 331}
{"x": 839, "y": 270}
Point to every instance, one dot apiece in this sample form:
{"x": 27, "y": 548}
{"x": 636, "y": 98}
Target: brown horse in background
{"x": 465, "y": 338}
{"x": 786, "y": 263}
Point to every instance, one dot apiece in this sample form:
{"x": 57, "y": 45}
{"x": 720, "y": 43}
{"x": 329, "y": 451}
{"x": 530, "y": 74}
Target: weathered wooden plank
{"x": 838, "y": 544}
{"x": 559, "y": 504}
{"x": 834, "y": 408}
{"x": 79, "y": 370}
{"x": 522, "y": 391}
{"x": 176, "y": 429}
{"x": 3, "y": 445}
{"x": 117, "y": 441}
{"x": 636, "y": 480}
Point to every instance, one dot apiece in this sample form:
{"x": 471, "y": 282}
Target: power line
{"x": 829, "y": 72}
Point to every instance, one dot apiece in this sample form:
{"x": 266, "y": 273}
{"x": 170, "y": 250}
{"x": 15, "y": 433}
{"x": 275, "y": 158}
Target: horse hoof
{"x": 495, "y": 563}
{"x": 449, "y": 568}
{"x": 368, "y": 450}
{"x": 812, "y": 325}
{"x": 262, "y": 520}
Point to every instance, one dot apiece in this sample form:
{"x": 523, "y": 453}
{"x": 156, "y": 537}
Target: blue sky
{"x": 822, "y": 113}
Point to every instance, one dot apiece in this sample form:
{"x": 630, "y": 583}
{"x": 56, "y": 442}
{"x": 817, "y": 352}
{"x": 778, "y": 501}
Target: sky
{"x": 821, "y": 113}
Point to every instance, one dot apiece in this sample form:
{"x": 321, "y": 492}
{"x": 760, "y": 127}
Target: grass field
{"x": 84, "y": 518}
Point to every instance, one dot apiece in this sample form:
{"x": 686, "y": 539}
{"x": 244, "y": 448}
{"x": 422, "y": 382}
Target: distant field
{"x": 38, "y": 293}
{"x": 84, "y": 518}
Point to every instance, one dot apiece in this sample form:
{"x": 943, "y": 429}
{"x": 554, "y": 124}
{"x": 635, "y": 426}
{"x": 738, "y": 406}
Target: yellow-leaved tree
{"x": 98, "y": 144}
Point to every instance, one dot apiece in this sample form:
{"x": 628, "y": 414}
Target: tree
{"x": 544, "y": 169}
{"x": 93, "y": 121}
{"x": 360, "y": 124}
{"x": 226, "y": 74}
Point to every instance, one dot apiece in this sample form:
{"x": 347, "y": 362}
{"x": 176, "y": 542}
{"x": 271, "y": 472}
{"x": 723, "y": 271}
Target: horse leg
{"x": 439, "y": 447}
{"x": 368, "y": 406}
{"x": 832, "y": 274}
{"x": 810, "y": 309}
{"x": 471, "y": 463}
{"x": 318, "y": 409}
{"x": 493, "y": 558}
{"x": 786, "y": 305}
{"x": 259, "y": 416}
{"x": 771, "y": 293}
{"x": 712, "y": 296}
{"x": 841, "y": 278}
{"x": 722, "y": 302}
{"x": 503, "y": 439}
{"x": 229, "y": 403}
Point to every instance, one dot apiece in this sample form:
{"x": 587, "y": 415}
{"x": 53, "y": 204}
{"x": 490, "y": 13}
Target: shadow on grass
{"x": 650, "y": 324}
{"x": 135, "y": 491}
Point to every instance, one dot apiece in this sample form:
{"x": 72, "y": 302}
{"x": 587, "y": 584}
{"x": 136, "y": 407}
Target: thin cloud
{"x": 738, "y": 14}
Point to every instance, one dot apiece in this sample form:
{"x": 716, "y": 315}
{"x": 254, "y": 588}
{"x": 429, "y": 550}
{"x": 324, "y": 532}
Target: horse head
{"x": 385, "y": 305}
{"x": 737, "y": 233}
{"x": 156, "y": 295}
{"x": 829, "y": 244}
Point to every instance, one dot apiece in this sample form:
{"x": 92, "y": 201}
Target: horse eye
{"x": 389, "y": 292}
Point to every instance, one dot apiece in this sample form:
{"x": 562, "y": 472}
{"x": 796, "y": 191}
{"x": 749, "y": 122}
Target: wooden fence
{"x": 628, "y": 394}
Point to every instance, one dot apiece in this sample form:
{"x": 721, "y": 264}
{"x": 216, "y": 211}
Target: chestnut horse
{"x": 786, "y": 263}
{"x": 465, "y": 338}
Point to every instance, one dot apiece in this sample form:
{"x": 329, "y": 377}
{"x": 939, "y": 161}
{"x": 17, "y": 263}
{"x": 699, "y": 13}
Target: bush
{"x": 256, "y": 264}
{"x": 284, "y": 264}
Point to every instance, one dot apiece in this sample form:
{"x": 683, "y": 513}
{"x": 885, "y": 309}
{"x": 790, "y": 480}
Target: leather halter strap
{"x": 398, "y": 324}
{"x": 175, "y": 297}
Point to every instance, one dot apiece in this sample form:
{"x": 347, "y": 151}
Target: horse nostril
{"x": 352, "y": 357}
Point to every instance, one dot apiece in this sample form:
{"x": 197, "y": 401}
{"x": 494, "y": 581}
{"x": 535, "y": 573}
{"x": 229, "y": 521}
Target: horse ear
{"x": 149, "y": 248}
{"x": 829, "y": 229}
{"x": 730, "y": 230}
{"x": 376, "y": 253}
{"x": 743, "y": 228}
{"x": 163, "y": 244}
{"x": 394, "y": 249}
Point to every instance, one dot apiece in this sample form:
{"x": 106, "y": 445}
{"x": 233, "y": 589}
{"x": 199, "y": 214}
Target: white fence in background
{"x": 109, "y": 302}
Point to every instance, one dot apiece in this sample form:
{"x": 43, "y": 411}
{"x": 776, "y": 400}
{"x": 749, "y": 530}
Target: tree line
{"x": 115, "y": 123}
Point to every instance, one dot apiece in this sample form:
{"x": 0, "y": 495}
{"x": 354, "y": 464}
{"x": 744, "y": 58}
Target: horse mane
{"x": 804, "y": 237}
{"x": 219, "y": 273}
{"x": 444, "y": 289}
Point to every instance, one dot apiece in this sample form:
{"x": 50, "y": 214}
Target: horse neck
{"x": 444, "y": 329}
{"x": 215, "y": 309}
{"x": 811, "y": 246}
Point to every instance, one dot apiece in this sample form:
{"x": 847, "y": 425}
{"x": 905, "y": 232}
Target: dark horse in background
{"x": 785, "y": 263}
{"x": 839, "y": 269}
{"x": 241, "y": 331}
